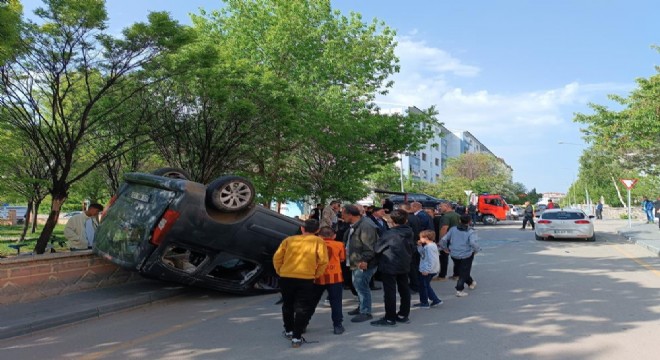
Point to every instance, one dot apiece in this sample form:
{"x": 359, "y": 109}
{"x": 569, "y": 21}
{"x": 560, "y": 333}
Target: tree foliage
{"x": 68, "y": 83}
{"x": 10, "y": 28}
{"x": 479, "y": 172}
{"x": 629, "y": 137}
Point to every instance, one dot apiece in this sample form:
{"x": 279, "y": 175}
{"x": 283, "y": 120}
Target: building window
{"x": 423, "y": 156}
{"x": 437, "y": 162}
{"x": 424, "y": 173}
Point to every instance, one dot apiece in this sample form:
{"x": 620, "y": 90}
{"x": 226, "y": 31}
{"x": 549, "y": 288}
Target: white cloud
{"x": 516, "y": 126}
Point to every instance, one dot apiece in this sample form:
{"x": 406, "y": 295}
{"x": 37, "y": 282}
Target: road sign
{"x": 629, "y": 183}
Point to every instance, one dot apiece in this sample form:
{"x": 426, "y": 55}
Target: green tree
{"x": 628, "y": 136}
{"x": 10, "y": 24}
{"x": 334, "y": 65}
{"x": 479, "y": 172}
{"x": 69, "y": 83}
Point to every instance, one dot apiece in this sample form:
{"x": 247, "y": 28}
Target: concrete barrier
{"x": 32, "y": 277}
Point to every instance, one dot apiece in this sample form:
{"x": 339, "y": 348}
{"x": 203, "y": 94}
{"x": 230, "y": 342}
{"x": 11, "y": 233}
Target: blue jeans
{"x": 649, "y": 215}
{"x": 425, "y": 290}
{"x": 361, "y": 280}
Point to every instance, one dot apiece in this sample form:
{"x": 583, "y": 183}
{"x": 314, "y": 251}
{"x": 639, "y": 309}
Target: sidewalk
{"x": 643, "y": 234}
{"x": 25, "y": 318}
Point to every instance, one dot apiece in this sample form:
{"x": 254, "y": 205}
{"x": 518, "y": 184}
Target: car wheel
{"x": 489, "y": 220}
{"x": 173, "y": 173}
{"x": 538, "y": 237}
{"x": 230, "y": 193}
{"x": 592, "y": 238}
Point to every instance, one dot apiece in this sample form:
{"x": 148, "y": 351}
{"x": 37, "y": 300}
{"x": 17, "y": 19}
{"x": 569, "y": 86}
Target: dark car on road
{"x": 427, "y": 201}
{"x": 166, "y": 227}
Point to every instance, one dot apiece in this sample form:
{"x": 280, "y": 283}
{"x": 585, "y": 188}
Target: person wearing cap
{"x": 81, "y": 228}
{"x": 376, "y": 216}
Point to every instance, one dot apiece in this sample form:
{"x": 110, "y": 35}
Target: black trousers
{"x": 297, "y": 296}
{"x": 444, "y": 264}
{"x": 413, "y": 275}
{"x": 526, "y": 219}
{"x": 464, "y": 270}
{"x": 392, "y": 282}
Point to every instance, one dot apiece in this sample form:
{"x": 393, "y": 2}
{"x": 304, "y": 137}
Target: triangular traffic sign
{"x": 629, "y": 183}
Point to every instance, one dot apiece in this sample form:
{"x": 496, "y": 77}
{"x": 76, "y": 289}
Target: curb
{"x": 31, "y": 325}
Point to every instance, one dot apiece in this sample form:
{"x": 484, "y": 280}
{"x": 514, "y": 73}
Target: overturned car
{"x": 214, "y": 236}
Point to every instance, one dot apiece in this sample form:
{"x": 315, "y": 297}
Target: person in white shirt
{"x": 80, "y": 229}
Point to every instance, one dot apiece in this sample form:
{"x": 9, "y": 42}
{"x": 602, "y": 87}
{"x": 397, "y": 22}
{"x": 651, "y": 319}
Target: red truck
{"x": 491, "y": 208}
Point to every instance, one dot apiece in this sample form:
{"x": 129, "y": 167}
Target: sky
{"x": 513, "y": 73}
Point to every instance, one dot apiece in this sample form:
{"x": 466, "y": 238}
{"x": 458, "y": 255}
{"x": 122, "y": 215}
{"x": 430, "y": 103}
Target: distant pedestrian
{"x": 551, "y": 204}
{"x": 599, "y": 210}
{"x": 472, "y": 211}
{"x": 461, "y": 243}
{"x": 415, "y": 225}
{"x": 388, "y": 205}
{"x": 316, "y": 212}
{"x": 298, "y": 261}
{"x": 528, "y": 215}
{"x": 394, "y": 252}
{"x": 656, "y": 204}
{"x": 376, "y": 216}
{"x": 647, "y": 206}
{"x": 428, "y": 268}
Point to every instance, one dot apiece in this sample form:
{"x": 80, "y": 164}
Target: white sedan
{"x": 565, "y": 224}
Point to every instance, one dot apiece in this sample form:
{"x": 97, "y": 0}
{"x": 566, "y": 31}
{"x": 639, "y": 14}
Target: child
{"x": 332, "y": 280}
{"x": 429, "y": 266}
{"x": 461, "y": 243}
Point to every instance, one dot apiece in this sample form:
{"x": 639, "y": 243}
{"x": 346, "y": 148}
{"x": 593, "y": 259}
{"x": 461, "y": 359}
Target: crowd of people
{"x": 345, "y": 247}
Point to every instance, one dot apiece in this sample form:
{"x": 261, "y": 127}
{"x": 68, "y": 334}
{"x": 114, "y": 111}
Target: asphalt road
{"x": 534, "y": 300}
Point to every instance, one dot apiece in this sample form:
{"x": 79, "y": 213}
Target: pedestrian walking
{"x": 80, "y": 230}
{"x": 429, "y": 266}
{"x": 472, "y": 211}
{"x": 449, "y": 220}
{"x": 599, "y": 210}
{"x": 461, "y": 243}
{"x": 647, "y": 206}
{"x": 528, "y": 215}
{"x": 656, "y": 205}
{"x": 394, "y": 252}
{"x": 298, "y": 261}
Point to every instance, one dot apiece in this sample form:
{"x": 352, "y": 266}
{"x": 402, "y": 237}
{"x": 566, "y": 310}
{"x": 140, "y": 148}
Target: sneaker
{"x": 287, "y": 334}
{"x": 384, "y": 322}
{"x": 422, "y": 305}
{"x": 339, "y": 330}
{"x": 354, "y": 312}
{"x": 473, "y": 285}
{"x": 296, "y": 343}
{"x": 461, "y": 293}
{"x": 436, "y": 303}
{"x": 361, "y": 318}
{"x": 402, "y": 319}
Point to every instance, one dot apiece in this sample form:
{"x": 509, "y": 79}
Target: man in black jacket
{"x": 394, "y": 252}
{"x": 416, "y": 226}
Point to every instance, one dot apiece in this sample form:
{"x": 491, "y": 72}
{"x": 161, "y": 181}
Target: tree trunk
{"x": 619, "y": 193}
{"x": 37, "y": 203}
{"x": 28, "y": 218}
{"x": 56, "y": 205}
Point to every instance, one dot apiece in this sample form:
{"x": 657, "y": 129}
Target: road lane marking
{"x": 172, "y": 329}
{"x": 642, "y": 263}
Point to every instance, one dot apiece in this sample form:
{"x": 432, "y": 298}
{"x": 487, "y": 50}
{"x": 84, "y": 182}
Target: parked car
{"x": 516, "y": 212}
{"x": 427, "y": 201}
{"x": 565, "y": 224}
{"x": 212, "y": 236}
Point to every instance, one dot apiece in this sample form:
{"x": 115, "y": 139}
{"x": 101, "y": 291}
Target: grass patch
{"x": 9, "y": 235}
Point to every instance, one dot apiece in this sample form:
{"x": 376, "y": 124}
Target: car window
{"x": 563, "y": 215}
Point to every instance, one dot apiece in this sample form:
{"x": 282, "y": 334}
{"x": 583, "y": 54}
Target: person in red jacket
{"x": 332, "y": 279}
{"x": 550, "y": 205}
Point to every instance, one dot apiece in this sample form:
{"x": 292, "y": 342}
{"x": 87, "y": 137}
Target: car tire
{"x": 173, "y": 173}
{"x": 538, "y": 237}
{"x": 592, "y": 238}
{"x": 230, "y": 193}
{"x": 489, "y": 220}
